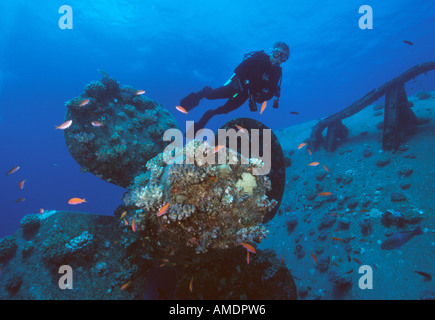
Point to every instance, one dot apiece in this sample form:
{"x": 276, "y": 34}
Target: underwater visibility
{"x": 158, "y": 150}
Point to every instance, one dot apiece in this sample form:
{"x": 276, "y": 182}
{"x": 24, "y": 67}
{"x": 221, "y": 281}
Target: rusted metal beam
{"x": 316, "y": 138}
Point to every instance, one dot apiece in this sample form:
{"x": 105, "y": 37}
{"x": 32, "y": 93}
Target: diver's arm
{"x": 246, "y": 68}
{"x": 277, "y": 93}
{"x": 242, "y": 70}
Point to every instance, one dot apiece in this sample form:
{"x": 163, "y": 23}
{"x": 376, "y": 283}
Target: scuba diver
{"x": 257, "y": 78}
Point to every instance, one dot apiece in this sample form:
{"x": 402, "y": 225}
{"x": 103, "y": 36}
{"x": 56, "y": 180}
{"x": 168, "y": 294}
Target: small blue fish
{"x": 398, "y": 239}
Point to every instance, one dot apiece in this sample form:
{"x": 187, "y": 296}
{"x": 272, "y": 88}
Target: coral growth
{"x": 30, "y": 224}
{"x": 8, "y": 246}
{"x": 82, "y": 242}
{"x": 130, "y": 133}
{"x": 211, "y": 206}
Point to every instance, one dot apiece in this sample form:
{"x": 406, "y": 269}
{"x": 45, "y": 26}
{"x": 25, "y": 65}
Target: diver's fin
{"x": 190, "y": 101}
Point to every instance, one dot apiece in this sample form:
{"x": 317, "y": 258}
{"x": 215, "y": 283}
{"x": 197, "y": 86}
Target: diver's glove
{"x": 275, "y": 104}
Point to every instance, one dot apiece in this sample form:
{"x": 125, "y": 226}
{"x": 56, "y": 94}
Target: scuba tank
{"x": 259, "y": 97}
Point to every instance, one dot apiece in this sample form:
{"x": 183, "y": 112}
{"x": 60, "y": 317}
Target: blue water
{"x": 170, "y": 48}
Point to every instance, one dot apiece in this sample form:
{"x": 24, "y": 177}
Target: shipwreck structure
{"x": 175, "y": 216}
{"x": 399, "y": 119}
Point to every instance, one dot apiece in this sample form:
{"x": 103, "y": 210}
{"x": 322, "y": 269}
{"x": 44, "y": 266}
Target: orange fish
{"x": 217, "y": 148}
{"x": 76, "y": 201}
{"x": 133, "y": 225}
{"x": 21, "y": 184}
{"x": 84, "y": 102}
{"x": 191, "y": 284}
{"x": 263, "y": 106}
{"x": 313, "y": 164}
{"x": 41, "y": 211}
{"x": 348, "y": 258}
{"x": 282, "y": 260}
{"x": 181, "y": 109}
{"x": 314, "y": 258}
{"x": 14, "y": 169}
{"x": 163, "y": 210}
{"x": 325, "y": 193}
{"x": 357, "y": 260}
{"x": 125, "y": 222}
{"x": 303, "y": 144}
{"x": 64, "y": 125}
{"x": 247, "y": 257}
{"x": 140, "y": 92}
{"x": 123, "y": 214}
{"x": 248, "y": 247}
{"x": 20, "y": 200}
{"x": 125, "y": 286}
{"x": 350, "y": 271}
{"x": 97, "y": 124}
{"x": 326, "y": 168}
{"x": 335, "y": 238}
{"x": 309, "y": 152}
{"x": 240, "y": 128}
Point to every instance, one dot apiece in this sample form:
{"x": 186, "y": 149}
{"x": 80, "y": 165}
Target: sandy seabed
{"x": 394, "y": 275}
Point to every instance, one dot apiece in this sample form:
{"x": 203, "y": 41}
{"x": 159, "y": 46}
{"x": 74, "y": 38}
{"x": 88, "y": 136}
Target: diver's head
{"x": 280, "y": 53}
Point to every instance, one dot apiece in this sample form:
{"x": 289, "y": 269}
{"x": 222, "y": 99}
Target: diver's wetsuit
{"x": 255, "y": 78}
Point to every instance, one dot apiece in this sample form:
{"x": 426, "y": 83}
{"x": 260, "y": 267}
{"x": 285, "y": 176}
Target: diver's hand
{"x": 275, "y": 104}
